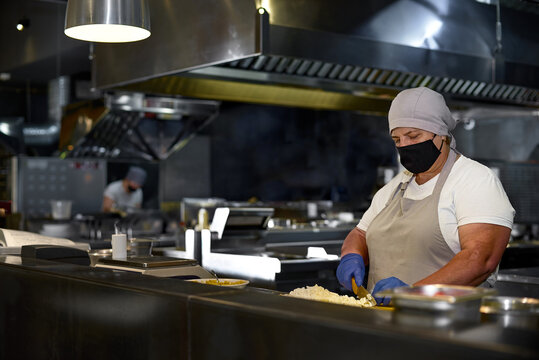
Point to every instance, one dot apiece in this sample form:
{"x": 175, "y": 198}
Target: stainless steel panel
{"x": 44, "y": 179}
{"x": 185, "y": 35}
{"x": 370, "y": 48}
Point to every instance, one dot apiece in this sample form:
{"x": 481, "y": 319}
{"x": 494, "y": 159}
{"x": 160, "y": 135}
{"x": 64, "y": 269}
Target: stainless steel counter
{"x": 75, "y": 311}
{"x": 518, "y": 282}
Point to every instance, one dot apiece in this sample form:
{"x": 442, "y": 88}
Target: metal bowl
{"x": 436, "y": 305}
{"x": 436, "y": 297}
{"x": 511, "y": 311}
{"x": 97, "y": 254}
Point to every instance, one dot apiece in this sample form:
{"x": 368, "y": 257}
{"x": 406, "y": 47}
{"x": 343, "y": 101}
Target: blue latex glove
{"x": 351, "y": 265}
{"x": 384, "y": 284}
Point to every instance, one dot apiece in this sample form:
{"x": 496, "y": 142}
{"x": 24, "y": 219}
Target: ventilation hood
{"x": 342, "y": 55}
{"x": 136, "y": 126}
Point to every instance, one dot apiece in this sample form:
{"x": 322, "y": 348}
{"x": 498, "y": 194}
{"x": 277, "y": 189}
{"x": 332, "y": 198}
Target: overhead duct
{"x": 330, "y": 55}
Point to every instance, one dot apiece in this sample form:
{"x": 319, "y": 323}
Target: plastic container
{"x": 140, "y": 247}
{"x": 61, "y": 209}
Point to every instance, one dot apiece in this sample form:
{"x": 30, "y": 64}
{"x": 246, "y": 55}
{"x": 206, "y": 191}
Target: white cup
{"x": 61, "y": 209}
{"x": 119, "y": 246}
{"x": 312, "y": 210}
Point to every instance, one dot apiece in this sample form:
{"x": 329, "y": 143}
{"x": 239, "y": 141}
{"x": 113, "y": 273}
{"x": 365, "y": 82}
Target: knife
{"x": 361, "y": 292}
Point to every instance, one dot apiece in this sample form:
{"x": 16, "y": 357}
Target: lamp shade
{"x": 111, "y": 21}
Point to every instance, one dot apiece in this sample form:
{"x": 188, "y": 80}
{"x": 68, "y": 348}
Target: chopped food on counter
{"x": 235, "y": 283}
{"x": 318, "y": 293}
{"x": 223, "y": 282}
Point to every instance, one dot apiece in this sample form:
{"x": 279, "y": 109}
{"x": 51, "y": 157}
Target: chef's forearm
{"x": 356, "y": 242}
{"x": 107, "y": 204}
{"x": 482, "y": 247}
{"x": 464, "y": 269}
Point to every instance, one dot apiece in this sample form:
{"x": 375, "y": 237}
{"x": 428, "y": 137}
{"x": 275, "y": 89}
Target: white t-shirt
{"x": 471, "y": 194}
{"x": 123, "y": 200}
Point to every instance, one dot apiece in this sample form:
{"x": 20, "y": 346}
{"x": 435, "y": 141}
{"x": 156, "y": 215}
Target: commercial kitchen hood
{"x": 342, "y": 55}
{"x": 144, "y": 127}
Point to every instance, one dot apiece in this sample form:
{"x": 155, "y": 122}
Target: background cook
{"x": 125, "y": 195}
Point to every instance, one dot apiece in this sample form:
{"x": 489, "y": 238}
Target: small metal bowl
{"x": 511, "y": 311}
{"x": 95, "y": 255}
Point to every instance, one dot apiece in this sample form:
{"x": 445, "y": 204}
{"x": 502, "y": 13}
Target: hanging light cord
{"x": 498, "y": 48}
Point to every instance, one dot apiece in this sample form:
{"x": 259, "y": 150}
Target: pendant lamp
{"x": 109, "y": 21}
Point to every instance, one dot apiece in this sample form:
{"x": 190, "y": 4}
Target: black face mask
{"x": 131, "y": 189}
{"x": 418, "y": 158}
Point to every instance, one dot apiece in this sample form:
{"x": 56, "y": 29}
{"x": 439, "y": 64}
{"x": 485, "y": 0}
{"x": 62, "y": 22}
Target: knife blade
{"x": 361, "y": 292}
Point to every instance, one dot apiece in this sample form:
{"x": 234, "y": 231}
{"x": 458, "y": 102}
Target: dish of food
{"x": 318, "y": 293}
{"x": 236, "y": 283}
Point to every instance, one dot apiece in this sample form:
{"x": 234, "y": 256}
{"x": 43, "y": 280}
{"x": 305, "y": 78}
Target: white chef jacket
{"x": 122, "y": 200}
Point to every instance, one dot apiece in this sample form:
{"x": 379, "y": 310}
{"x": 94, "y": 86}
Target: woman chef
{"x": 446, "y": 220}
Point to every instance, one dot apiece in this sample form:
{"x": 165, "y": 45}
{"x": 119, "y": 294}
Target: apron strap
{"x": 401, "y": 187}
{"x": 451, "y": 158}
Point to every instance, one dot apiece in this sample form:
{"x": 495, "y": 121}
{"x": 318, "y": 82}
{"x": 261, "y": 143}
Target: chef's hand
{"x": 351, "y": 265}
{"x": 384, "y": 284}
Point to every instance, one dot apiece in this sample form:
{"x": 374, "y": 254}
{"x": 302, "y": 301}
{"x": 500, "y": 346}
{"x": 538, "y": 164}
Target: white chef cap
{"x": 421, "y": 108}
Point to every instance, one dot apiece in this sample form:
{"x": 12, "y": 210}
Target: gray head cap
{"x": 136, "y": 175}
{"x": 421, "y": 108}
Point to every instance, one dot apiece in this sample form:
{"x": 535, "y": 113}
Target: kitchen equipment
{"x": 435, "y": 297}
{"x": 108, "y": 21}
{"x": 155, "y": 139}
{"x": 295, "y": 56}
{"x": 56, "y": 253}
{"x": 247, "y": 220}
{"x": 96, "y": 254}
{"x": 519, "y": 312}
{"x": 361, "y": 292}
{"x": 140, "y": 247}
{"x": 61, "y": 209}
{"x": 42, "y": 179}
{"x": 436, "y": 305}
{"x": 239, "y": 244}
{"x": 160, "y": 266}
